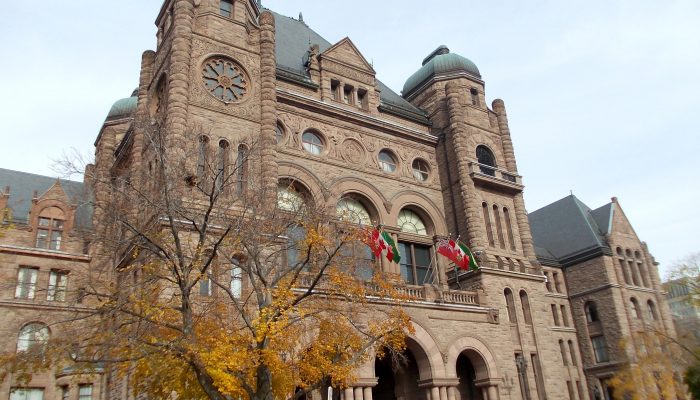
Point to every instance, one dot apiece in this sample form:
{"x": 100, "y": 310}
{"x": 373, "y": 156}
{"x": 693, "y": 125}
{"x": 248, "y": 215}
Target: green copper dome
{"x": 122, "y": 108}
{"x": 440, "y": 62}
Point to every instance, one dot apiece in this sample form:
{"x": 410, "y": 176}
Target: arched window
{"x": 486, "y": 159}
{"x": 421, "y": 171}
{"x": 564, "y": 315}
{"x": 33, "y": 336}
{"x": 475, "y": 96}
{"x": 242, "y": 169}
{"x": 510, "y": 305}
{"x": 562, "y": 350}
{"x": 351, "y": 210}
{"x": 487, "y": 220}
{"x": 411, "y": 222}
{"x": 226, "y": 8}
{"x": 591, "y": 311}
{"x": 222, "y": 163}
{"x": 289, "y": 198}
{"x": 387, "y": 161}
{"x": 555, "y": 314}
{"x": 652, "y": 310}
{"x": 279, "y": 133}
{"x": 635, "y": 308}
{"x": 509, "y": 228}
{"x": 202, "y": 157}
{"x": 499, "y": 227}
{"x": 312, "y": 142}
{"x": 525, "y": 303}
{"x": 236, "y": 278}
{"x": 49, "y": 231}
{"x": 572, "y": 353}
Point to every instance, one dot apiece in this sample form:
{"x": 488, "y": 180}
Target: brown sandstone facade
{"x": 439, "y": 155}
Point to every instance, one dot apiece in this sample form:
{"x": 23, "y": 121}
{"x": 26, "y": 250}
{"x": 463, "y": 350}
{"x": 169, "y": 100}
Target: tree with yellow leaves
{"x": 212, "y": 279}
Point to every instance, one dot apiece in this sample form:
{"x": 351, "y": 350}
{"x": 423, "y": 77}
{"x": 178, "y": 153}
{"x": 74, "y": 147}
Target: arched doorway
{"x": 467, "y": 378}
{"x": 398, "y": 375}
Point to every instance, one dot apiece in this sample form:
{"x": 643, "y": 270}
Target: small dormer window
{"x": 348, "y": 95}
{"x": 475, "y": 96}
{"x": 335, "y": 85}
{"x": 226, "y": 8}
{"x": 50, "y": 229}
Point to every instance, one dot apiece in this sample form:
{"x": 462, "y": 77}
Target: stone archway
{"x": 398, "y": 376}
{"x": 472, "y": 362}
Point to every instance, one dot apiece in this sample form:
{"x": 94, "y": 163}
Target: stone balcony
{"x": 495, "y": 177}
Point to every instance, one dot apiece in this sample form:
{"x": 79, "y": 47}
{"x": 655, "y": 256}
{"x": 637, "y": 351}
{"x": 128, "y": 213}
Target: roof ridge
{"x": 41, "y": 176}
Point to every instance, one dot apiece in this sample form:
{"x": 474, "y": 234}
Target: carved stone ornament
{"x": 353, "y": 152}
{"x": 224, "y": 79}
{"x": 493, "y": 316}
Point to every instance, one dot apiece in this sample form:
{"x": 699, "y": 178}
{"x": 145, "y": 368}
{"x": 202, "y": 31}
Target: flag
{"x": 382, "y": 243}
{"x": 458, "y": 253}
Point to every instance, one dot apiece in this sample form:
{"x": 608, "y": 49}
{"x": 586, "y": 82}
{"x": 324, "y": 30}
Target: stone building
{"x": 433, "y": 161}
{"x": 683, "y": 301}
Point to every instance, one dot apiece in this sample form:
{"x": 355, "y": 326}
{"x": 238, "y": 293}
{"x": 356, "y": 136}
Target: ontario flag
{"x": 457, "y": 253}
{"x": 382, "y": 243}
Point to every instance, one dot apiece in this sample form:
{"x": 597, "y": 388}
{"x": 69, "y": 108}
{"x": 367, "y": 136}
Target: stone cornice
{"x": 29, "y": 251}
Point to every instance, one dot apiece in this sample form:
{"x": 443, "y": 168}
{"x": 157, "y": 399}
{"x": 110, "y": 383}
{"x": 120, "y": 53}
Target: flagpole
{"x": 434, "y": 266}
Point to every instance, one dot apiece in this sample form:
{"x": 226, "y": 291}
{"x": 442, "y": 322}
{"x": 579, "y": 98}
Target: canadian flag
{"x": 381, "y": 243}
{"x": 457, "y": 253}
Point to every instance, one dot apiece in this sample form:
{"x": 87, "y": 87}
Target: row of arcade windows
{"x": 499, "y": 226}
{"x": 27, "y": 284}
{"x": 347, "y": 94}
{"x": 220, "y": 168}
{"x": 85, "y": 392}
{"x": 633, "y": 268}
{"x": 510, "y": 306}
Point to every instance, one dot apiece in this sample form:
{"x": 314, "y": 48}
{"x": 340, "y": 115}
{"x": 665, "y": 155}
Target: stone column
{"x": 435, "y": 393}
{"x": 179, "y": 83}
{"x": 443, "y": 393}
{"x": 268, "y": 95}
{"x": 367, "y": 393}
{"x": 348, "y": 394}
{"x": 453, "y": 393}
{"x": 519, "y": 203}
{"x": 460, "y": 142}
{"x": 493, "y": 392}
{"x": 358, "y": 393}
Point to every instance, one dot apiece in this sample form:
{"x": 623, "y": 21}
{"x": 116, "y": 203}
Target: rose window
{"x": 224, "y": 79}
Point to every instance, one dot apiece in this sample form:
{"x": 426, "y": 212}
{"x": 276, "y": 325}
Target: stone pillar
{"x": 358, "y": 393}
{"x": 519, "y": 203}
{"x": 435, "y": 393}
{"x": 367, "y": 393}
{"x": 493, "y": 392}
{"x": 453, "y": 393}
{"x": 268, "y": 122}
{"x": 460, "y": 143}
{"x": 428, "y": 394}
{"x": 443, "y": 393}
{"x": 179, "y": 84}
{"x": 348, "y": 394}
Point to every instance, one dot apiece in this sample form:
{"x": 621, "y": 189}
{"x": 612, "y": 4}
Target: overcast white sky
{"x": 603, "y": 96}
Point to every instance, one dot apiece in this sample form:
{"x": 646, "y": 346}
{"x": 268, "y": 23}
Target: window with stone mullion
{"x": 415, "y": 262}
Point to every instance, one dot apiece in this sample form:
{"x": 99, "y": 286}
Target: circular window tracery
{"x": 312, "y": 142}
{"x": 387, "y": 161}
{"x": 421, "y": 171}
{"x": 288, "y": 198}
{"x": 411, "y": 222}
{"x": 224, "y": 79}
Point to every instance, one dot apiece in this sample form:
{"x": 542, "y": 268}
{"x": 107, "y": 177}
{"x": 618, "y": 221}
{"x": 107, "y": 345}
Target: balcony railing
{"x": 494, "y": 176}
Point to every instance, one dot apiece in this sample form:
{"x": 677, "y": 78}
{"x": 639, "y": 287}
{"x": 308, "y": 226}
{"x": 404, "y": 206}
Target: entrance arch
{"x": 472, "y": 362}
{"x": 398, "y": 375}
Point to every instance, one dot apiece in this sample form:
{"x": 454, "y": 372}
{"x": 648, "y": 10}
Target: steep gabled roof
{"x": 568, "y": 230}
{"x": 603, "y": 217}
{"x": 23, "y": 185}
{"x": 292, "y": 41}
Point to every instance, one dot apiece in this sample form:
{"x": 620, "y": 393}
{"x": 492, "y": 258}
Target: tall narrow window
{"x": 226, "y": 8}
{"x": 557, "y": 283}
{"x": 85, "y": 392}
{"x": 525, "y": 303}
{"x": 222, "y": 164}
{"x": 202, "y": 157}
{"x": 625, "y": 271}
{"x": 236, "y": 278}
{"x": 487, "y": 220}
{"x": 475, "y": 96}
{"x": 242, "y": 169}
{"x": 26, "y": 283}
{"x": 652, "y": 311}
{"x": 521, "y": 364}
{"x": 510, "y": 304}
{"x": 414, "y": 263}
{"x": 58, "y": 280}
{"x": 509, "y": 228}
{"x": 362, "y": 99}
{"x": 564, "y": 316}
{"x": 205, "y": 285}
{"x": 50, "y": 229}
{"x": 643, "y": 273}
{"x": 499, "y": 227}
{"x": 635, "y": 273}
{"x": 548, "y": 281}
{"x": 600, "y": 348}
{"x": 579, "y": 388}
{"x": 562, "y": 350}
{"x": 348, "y": 94}
{"x": 591, "y": 311}
{"x": 555, "y": 315}
{"x": 335, "y": 88}
{"x": 539, "y": 381}
{"x": 570, "y": 388}
{"x": 33, "y": 337}
{"x": 65, "y": 392}
{"x": 635, "y": 308}
{"x": 572, "y": 353}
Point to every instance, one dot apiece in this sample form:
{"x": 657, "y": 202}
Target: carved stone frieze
{"x": 353, "y": 152}
{"x": 348, "y": 72}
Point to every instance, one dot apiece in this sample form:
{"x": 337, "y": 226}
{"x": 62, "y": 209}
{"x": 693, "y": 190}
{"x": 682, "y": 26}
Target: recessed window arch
{"x": 562, "y": 350}
{"x": 486, "y": 159}
{"x": 236, "y": 278}
{"x": 651, "y": 308}
{"x": 387, "y": 161}
{"x": 409, "y": 221}
{"x": 474, "y": 96}
{"x": 50, "y": 225}
{"x": 421, "y": 170}
{"x": 279, "y": 133}
{"x": 635, "y": 308}
{"x": 499, "y": 226}
{"x": 509, "y": 228}
{"x": 242, "y": 156}
{"x": 33, "y": 336}
{"x": 525, "y": 303}
{"x": 349, "y": 209}
{"x": 619, "y": 252}
{"x": 291, "y": 196}
{"x": 312, "y": 142}
{"x": 487, "y": 220}
{"x": 591, "y": 310}
{"x": 222, "y": 160}
{"x": 202, "y": 156}
{"x": 510, "y": 305}
{"x": 226, "y": 8}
